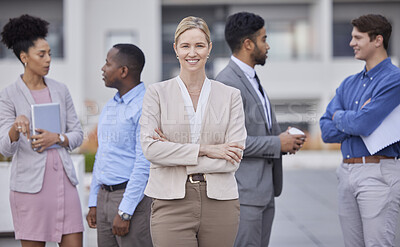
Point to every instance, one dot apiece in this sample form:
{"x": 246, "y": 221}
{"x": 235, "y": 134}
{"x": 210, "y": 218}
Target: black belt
{"x": 115, "y": 187}
{"x": 196, "y": 178}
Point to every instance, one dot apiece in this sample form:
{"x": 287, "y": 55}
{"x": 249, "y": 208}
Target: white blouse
{"x": 250, "y": 75}
{"x": 195, "y": 117}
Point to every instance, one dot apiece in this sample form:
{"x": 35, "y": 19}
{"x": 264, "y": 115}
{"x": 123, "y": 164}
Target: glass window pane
{"x": 341, "y": 39}
{"x": 289, "y": 40}
{"x": 55, "y": 38}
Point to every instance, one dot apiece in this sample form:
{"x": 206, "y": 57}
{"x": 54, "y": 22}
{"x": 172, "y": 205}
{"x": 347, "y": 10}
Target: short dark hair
{"x": 374, "y": 25}
{"x": 131, "y": 56}
{"x": 20, "y": 33}
{"x": 241, "y": 26}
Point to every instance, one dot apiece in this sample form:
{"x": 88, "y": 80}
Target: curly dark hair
{"x": 241, "y": 26}
{"x": 20, "y": 33}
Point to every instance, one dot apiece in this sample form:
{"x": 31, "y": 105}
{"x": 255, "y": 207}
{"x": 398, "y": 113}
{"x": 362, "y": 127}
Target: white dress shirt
{"x": 250, "y": 74}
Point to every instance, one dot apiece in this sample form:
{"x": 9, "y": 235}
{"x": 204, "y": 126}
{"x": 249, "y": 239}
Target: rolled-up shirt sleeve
{"x": 364, "y": 121}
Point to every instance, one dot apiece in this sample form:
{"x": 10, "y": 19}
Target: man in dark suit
{"x": 260, "y": 173}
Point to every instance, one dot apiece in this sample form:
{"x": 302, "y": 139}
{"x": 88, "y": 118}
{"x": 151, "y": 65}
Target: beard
{"x": 258, "y": 56}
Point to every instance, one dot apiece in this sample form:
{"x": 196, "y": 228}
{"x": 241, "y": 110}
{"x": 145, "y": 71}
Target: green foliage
{"x": 2, "y": 158}
{"x": 89, "y": 161}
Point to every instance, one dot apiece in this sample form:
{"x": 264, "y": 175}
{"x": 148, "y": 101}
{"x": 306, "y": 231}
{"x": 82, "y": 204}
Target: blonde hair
{"x": 191, "y": 22}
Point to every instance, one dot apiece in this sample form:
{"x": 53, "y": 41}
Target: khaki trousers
{"x": 195, "y": 220}
{"x": 139, "y": 228}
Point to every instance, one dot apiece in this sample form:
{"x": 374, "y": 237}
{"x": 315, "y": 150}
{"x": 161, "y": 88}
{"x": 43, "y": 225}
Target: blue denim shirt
{"x": 119, "y": 157}
{"x": 381, "y": 84}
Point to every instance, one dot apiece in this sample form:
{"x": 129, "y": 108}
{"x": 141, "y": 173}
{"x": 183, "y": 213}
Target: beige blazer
{"x": 28, "y": 166}
{"x": 172, "y": 161}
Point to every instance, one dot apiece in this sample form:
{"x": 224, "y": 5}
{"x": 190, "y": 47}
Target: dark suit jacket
{"x": 259, "y": 176}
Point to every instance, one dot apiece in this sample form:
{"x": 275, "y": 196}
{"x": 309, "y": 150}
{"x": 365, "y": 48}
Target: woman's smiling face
{"x": 192, "y": 49}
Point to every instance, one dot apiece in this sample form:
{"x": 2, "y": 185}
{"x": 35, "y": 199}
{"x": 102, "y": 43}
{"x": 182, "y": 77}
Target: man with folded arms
{"x": 118, "y": 207}
{"x": 369, "y": 184}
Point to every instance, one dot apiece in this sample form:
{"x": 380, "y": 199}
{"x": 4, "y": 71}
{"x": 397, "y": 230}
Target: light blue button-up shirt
{"x": 119, "y": 157}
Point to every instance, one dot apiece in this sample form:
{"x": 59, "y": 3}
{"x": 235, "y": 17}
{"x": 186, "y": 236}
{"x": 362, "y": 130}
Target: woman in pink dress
{"x": 44, "y": 200}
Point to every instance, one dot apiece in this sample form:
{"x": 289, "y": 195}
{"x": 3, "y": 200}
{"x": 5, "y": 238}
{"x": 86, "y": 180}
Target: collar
{"x": 247, "y": 70}
{"x": 27, "y": 93}
{"x": 130, "y": 95}
{"x": 375, "y": 70}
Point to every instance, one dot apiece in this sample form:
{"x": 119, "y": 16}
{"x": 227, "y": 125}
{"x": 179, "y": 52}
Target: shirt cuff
{"x": 92, "y": 201}
{"x": 337, "y": 120}
{"x": 129, "y": 207}
{"x": 93, "y": 197}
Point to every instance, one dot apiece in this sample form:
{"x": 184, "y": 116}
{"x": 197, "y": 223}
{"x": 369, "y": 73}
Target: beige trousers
{"x": 195, "y": 220}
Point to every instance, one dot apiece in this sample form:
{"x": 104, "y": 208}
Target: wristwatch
{"x": 124, "y": 216}
{"x": 62, "y": 138}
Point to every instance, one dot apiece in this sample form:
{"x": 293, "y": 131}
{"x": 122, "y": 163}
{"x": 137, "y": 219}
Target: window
{"x": 341, "y": 39}
{"x": 117, "y": 37}
{"x": 55, "y": 38}
{"x": 172, "y": 15}
{"x": 288, "y": 40}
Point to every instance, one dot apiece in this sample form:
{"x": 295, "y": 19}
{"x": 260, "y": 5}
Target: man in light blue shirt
{"x": 117, "y": 205}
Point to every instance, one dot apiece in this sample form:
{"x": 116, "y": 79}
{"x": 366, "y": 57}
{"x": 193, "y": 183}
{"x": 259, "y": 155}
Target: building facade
{"x": 308, "y": 59}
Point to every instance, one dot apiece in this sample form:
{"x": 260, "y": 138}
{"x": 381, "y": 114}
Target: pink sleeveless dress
{"x": 55, "y": 210}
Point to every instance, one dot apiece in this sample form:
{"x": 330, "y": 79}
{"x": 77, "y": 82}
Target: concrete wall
{"x": 140, "y": 18}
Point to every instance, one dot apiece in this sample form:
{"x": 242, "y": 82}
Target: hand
{"x": 160, "y": 136}
{"x": 91, "y": 217}
{"x": 21, "y": 125}
{"x": 366, "y": 102}
{"x": 231, "y": 152}
{"x": 120, "y": 227}
{"x": 44, "y": 140}
{"x": 291, "y": 143}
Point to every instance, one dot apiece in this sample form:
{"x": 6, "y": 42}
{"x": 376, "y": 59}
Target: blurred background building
{"x": 308, "y": 59}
